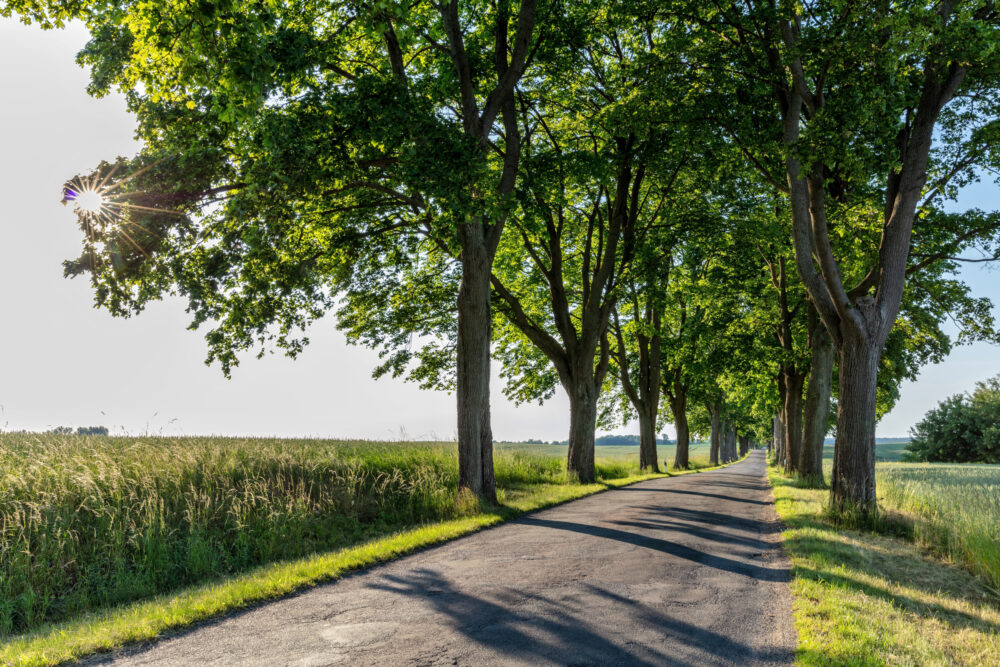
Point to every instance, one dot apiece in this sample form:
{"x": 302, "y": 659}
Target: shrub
{"x": 964, "y": 428}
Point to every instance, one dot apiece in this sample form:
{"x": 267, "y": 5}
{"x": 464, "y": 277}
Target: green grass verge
{"x": 875, "y": 599}
{"x": 147, "y": 620}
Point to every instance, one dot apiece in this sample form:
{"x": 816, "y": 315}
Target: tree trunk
{"x": 817, "y": 407}
{"x": 744, "y": 445}
{"x": 775, "y": 437}
{"x": 792, "y": 418}
{"x": 678, "y": 405}
{"x": 475, "y": 436}
{"x": 731, "y": 445}
{"x": 853, "y": 483}
{"x": 582, "y": 424}
{"x": 779, "y": 444}
{"x": 647, "y": 438}
{"x": 716, "y": 436}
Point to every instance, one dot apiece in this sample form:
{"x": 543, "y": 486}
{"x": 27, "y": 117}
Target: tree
{"x": 964, "y": 428}
{"x": 290, "y": 146}
{"x": 603, "y": 170}
{"x": 850, "y": 98}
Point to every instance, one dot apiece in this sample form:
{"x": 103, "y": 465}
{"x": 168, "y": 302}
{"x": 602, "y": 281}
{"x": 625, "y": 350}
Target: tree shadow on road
{"x": 546, "y": 627}
{"x": 699, "y": 493}
{"x": 667, "y": 547}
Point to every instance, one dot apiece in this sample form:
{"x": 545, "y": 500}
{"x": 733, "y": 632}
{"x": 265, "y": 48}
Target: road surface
{"x": 686, "y": 570}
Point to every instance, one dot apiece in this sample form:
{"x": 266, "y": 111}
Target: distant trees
{"x": 964, "y": 428}
{"x": 80, "y": 430}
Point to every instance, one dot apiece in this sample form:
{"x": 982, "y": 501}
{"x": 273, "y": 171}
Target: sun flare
{"x": 89, "y": 201}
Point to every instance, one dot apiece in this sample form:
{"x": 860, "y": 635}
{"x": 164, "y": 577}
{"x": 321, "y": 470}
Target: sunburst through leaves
{"x": 103, "y": 207}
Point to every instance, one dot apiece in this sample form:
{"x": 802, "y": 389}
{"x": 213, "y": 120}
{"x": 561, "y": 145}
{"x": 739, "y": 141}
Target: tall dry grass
{"x": 87, "y": 522}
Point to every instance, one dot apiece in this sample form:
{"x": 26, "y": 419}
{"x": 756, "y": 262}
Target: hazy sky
{"x": 64, "y": 363}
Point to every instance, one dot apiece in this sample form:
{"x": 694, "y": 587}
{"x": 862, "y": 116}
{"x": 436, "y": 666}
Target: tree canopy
{"x": 734, "y": 214}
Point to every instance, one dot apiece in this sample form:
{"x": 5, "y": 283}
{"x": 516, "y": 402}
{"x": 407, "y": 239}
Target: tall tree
{"x": 278, "y": 138}
{"x": 802, "y": 69}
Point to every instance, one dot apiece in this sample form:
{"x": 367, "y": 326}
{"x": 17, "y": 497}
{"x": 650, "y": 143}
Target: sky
{"x": 62, "y": 362}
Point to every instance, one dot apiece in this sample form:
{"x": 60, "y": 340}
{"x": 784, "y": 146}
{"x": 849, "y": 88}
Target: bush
{"x": 964, "y": 428}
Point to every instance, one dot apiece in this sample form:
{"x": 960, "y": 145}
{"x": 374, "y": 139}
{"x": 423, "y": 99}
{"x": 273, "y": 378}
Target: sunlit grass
{"x": 954, "y": 508}
{"x": 111, "y": 540}
{"x": 870, "y": 599}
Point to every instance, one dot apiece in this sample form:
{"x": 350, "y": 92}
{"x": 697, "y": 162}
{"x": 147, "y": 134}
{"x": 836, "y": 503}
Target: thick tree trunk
{"x": 792, "y": 418}
{"x": 678, "y": 405}
{"x": 582, "y": 424}
{"x": 647, "y": 439}
{"x": 475, "y": 436}
{"x": 853, "y": 483}
{"x": 744, "y": 445}
{"x": 715, "y": 439}
{"x": 817, "y": 407}
{"x": 731, "y": 445}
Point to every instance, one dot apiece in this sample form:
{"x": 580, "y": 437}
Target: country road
{"x": 686, "y": 570}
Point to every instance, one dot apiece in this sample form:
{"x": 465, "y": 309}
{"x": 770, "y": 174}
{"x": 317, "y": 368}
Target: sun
{"x": 89, "y": 201}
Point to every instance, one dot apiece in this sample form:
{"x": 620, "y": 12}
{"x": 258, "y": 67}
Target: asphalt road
{"x": 686, "y": 570}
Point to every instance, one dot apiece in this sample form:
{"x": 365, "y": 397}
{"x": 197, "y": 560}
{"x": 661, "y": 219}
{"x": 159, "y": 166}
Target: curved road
{"x": 686, "y": 570}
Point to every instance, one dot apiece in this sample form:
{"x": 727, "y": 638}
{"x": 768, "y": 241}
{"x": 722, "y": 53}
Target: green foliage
{"x": 46, "y": 13}
{"x": 294, "y": 153}
{"x": 89, "y": 522}
{"x": 964, "y": 428}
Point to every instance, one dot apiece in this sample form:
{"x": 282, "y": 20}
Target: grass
{"x": 107, "y": 541}
{"x": 862, "y": 598}
{"x": 892, "y": 450}
{"x": 953, "y": 508}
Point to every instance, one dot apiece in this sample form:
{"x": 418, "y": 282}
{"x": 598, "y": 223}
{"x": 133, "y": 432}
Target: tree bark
{"x": 475, "y": 436}
{"x": 853, "y": 483}
{"x": 780, "y": 449}
{"x": 582, "y": 424}
{"x": 647, "y": 439}
{"x": 772, "y": 446}
{"x": 792, "y": 417}
{"x": 744, "y": 445}
{"x": 678, "y": 406}
{"x": 715, "y": 439}
{"x": 817, "y": 407}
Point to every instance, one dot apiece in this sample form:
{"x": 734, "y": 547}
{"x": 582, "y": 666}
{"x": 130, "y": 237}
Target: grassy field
{"x": 953, "y": 508}
{"x": 862, "y": 598}
{"x": 884, "y": 451}
{"x": 112, "y": 540}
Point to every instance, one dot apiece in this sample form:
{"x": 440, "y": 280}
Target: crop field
{"x": 884, "y": 451}
{"x": 91, "y": 522}
{"x": 955, "y": 509}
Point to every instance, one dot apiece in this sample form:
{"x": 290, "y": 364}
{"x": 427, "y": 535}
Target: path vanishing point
{"x": 686, "y": 570}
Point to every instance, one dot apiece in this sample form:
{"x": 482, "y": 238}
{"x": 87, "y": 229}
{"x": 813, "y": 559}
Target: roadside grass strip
{"x": 148, "y": 620}
{"x": 862, "y": 598}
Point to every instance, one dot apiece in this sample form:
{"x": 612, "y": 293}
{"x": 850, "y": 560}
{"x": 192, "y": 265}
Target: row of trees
{"x": 731, "y": 213}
